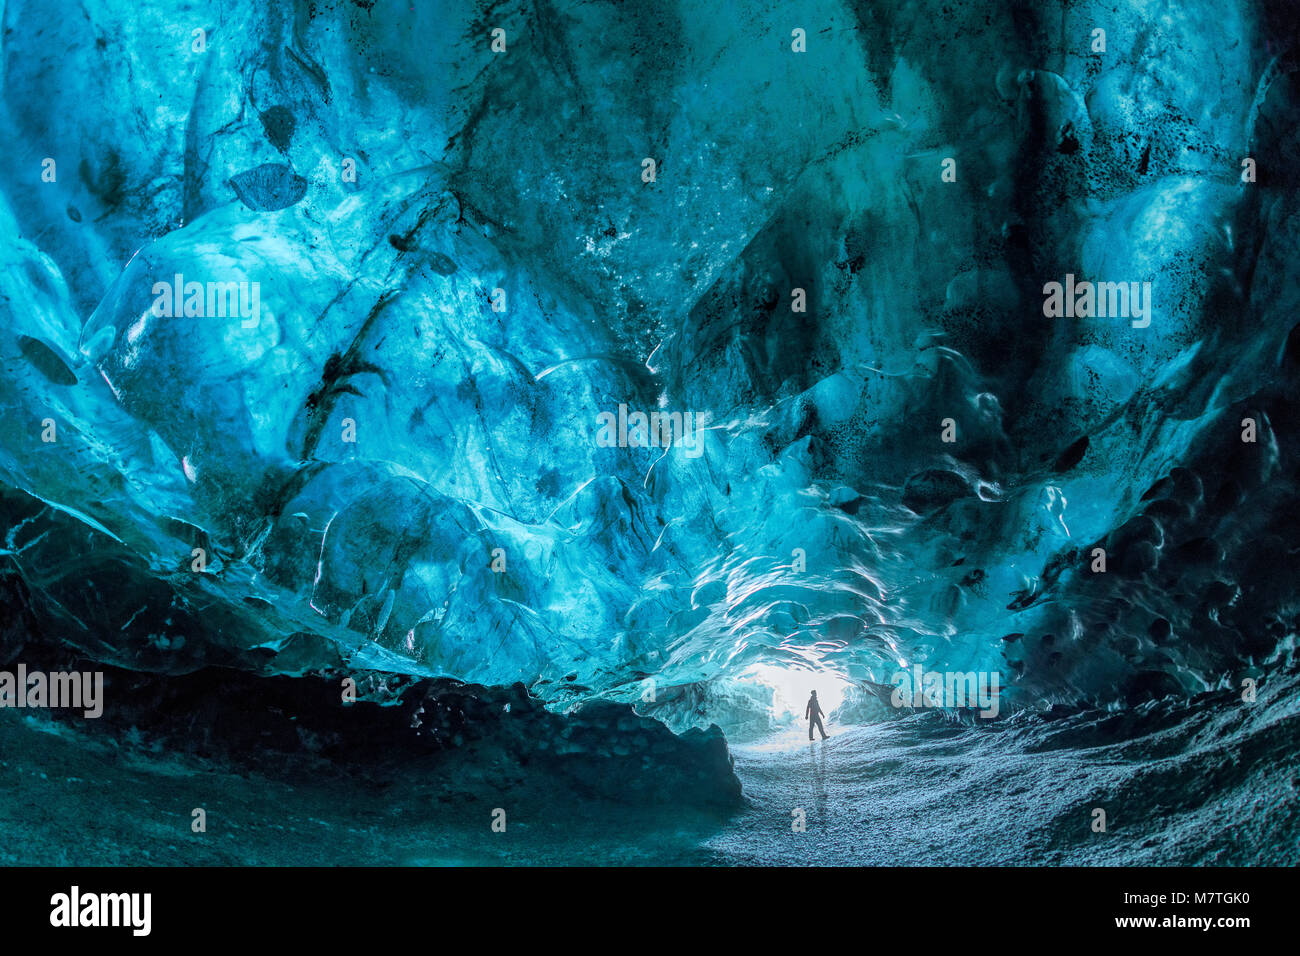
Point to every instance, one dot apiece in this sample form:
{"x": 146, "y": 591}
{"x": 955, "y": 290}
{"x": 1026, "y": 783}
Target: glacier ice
{"x": 460, "y": 264}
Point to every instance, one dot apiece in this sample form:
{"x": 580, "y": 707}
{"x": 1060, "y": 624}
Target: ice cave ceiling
{"x": 460, "y": 265}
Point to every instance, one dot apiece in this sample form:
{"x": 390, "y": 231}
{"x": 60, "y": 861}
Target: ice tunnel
{"x": 683, "y": 357}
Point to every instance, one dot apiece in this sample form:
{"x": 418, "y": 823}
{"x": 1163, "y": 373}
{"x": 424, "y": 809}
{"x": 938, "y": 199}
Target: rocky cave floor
{"x": 921, "y": 790}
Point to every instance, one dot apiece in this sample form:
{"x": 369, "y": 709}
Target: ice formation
{"x": 312, "y": 312}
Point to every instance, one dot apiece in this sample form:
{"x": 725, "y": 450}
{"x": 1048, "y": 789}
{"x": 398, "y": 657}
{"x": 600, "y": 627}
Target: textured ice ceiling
{"x": 476, "y": 527}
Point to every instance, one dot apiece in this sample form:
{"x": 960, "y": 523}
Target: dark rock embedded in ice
{"x": 269, "y": 187}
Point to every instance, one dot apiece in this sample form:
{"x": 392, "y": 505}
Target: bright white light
{"x": 791, "y": 687}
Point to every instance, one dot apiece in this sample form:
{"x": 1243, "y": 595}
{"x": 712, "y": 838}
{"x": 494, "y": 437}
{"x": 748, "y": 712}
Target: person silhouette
{"x": 814, "y": 714}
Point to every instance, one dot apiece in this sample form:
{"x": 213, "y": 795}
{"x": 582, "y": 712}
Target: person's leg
{"x": 810, "y": 727}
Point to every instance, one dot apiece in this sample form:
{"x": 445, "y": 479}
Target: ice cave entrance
{"x": 791, "y": 687}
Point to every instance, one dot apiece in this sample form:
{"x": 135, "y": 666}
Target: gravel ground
{"x": 1204, "y": 782}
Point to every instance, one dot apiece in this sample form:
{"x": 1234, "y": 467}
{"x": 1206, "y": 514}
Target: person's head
{"x": 814, "y": 693}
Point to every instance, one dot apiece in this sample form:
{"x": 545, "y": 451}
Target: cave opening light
{"x": 791, "y": 687}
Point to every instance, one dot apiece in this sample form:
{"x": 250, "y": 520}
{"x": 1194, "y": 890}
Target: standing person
{"x": 814, "y": 714}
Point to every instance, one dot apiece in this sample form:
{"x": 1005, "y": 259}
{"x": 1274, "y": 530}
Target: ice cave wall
{"x": 498, "y": 272}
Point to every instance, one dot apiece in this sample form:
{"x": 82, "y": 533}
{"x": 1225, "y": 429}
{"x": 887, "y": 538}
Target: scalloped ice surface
{"x": 394, "y": 462}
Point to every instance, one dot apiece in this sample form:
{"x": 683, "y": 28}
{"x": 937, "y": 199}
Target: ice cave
{"x": 466, "y": 433}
